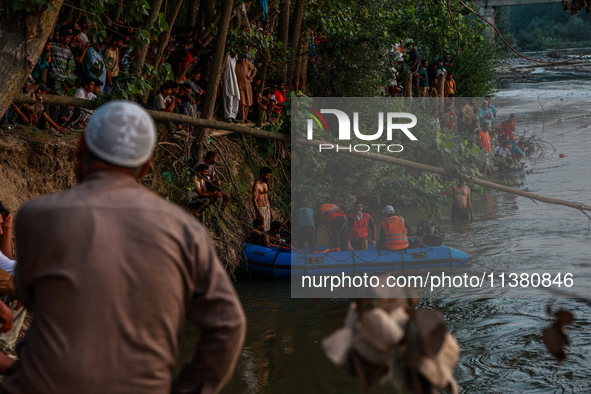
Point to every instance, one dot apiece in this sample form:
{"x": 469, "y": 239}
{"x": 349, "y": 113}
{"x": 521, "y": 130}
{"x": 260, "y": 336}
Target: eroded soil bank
{"x": 33, "y": 163}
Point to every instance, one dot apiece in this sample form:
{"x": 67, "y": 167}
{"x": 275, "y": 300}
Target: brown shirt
{"x": 110, "y": 271}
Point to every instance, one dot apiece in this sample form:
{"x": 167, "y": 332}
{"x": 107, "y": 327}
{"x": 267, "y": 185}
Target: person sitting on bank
{"x": 213, "y": 183}
{"x": 505, "y": 151}
{"x": 394, "y": 231}
{"x": 359, "y": 224}
{"x": 257, "y": 235}
{"x": 9, "y": 338}
{"x": 275, "y": 232}
{"x": 508, "y": 129}
{"x": 204, "y": 198}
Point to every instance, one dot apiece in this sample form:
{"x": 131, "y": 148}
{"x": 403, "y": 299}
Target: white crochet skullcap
{"x": 121, "y": 133}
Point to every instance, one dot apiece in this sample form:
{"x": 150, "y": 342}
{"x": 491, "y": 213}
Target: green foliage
{"x": 179, "y": 183}
{"x": 30, "y": 5}
{"x": 162, "y": 24}
{"x": 475, "y": 69}
{"x": 545, "y": 26}
{"x": 67, "y": 87}
{"x": 362, "y": 38}
{"x": 351, "y": 62}
{"x": 361, "y": 41}
{"x": 247, "y": 42}
{"x": 133, "y": 88}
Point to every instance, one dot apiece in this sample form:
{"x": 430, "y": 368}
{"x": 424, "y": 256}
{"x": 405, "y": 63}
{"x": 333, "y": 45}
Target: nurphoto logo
{"x": 389, "y": 121}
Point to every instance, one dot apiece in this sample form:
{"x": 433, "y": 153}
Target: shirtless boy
{"x": 260, "y": 197}
{"x": 461, "y": 208}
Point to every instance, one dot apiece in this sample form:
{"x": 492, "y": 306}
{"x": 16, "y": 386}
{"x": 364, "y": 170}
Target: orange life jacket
{"x": 328, "y": 212}
{"x": 396, "y": 234}
{"x": 359, "y": 228}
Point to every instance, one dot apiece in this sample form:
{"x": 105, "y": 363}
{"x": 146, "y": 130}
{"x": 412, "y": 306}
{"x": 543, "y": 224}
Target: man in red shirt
{"x": 280, "y": 96}
{"x": 335, "y": 221}
{"x": 508, "y": 127}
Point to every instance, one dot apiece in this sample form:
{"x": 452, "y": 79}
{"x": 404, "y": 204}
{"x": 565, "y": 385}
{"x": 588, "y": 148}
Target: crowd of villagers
{"x": 479, "y": 121}
{"x": 74, "y": 65}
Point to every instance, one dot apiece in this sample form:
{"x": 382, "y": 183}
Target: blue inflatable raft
{"x": 279, "y": 262}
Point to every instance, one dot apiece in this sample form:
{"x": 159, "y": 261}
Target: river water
{"x": 500, "y": 337}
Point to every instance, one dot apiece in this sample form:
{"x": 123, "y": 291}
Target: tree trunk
{"x": 166, "y": 35}
{"x": 300, "y": 63}
{"x": 256, "y": 132}
{"x": 284, "y": 33}
{"x": 408, "y": 85}
{"x": 264, "y": 67}
{"x": 204, "y": 35}
{"x": 191, "y": 13}
{"x": 21, "y": 44}
{"x": 141, "y": 59}
{"x": 208, "y": 12}
{"x": 200, "y": 25}
{"x": 304, "y": 75}
{"x": 117, "y": 15}
{"x": 296, "y": 31}
{"x": 216, "y": 71}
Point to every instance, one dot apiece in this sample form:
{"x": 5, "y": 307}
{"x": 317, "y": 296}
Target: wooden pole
{"x": 165, "y": 36}
{"x": 284, "y": 34}
{"x": 295, "y": 35}
{"x": 256, "y": 132}
{"x": 52, "y": 99}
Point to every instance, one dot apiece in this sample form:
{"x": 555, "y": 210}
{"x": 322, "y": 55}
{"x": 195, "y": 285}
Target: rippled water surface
{"x": 500, "y": 337}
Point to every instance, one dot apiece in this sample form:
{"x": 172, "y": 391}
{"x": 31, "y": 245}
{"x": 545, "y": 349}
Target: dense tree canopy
{"x": 545, "y": 26}
{"x": 353, "y": 60}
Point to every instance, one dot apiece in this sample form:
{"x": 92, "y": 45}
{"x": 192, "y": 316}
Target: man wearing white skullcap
{"x": 110, "y": 271}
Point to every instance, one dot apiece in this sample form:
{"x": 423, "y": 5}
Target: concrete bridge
{"x": 487, "y": 8}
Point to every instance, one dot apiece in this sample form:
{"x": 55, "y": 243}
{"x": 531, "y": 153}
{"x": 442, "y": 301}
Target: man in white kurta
{"x": 230, "y": 89}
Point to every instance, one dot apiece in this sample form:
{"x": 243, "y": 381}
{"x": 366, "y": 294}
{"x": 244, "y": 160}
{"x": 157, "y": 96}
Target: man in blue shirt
{"x": 95, "y": 65}
{"x": 493, "y": 109}
{"x": 485, "y": 114}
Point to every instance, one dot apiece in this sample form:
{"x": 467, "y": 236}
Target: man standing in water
{"x": 110, "y": 271}
{"x": 260, "y": 198}
{"x": 461, "y": 208}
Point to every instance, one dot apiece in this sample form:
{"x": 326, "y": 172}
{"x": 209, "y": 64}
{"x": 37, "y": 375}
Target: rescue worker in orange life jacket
{"x": 359, "y": 224}
{"x": 394, "y": 232}
{"x": 334, "y": 219}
